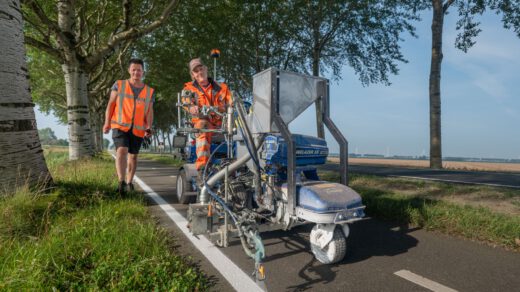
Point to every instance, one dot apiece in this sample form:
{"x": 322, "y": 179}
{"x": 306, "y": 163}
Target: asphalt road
{"x": 470, "y": 177}
{"x": 376, "y": 251}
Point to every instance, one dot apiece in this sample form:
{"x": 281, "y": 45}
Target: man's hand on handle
{"x": 194, "y": 110}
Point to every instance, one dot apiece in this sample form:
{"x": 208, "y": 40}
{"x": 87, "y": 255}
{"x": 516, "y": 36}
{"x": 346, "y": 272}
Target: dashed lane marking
{"x": 422, "y": 281}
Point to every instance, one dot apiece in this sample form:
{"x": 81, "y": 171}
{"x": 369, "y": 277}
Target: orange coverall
{"x": 217, "y": 95}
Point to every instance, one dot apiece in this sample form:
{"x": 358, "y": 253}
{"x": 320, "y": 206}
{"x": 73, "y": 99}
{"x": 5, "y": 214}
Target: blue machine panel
{"x": 309, "y": 150}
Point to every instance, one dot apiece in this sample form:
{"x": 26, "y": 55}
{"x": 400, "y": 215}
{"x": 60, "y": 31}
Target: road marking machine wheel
{"x": 328, "y": 243}
{"x": 182, "y": 188}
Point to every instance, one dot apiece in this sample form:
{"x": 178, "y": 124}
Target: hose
{"x": 249, "y": 139}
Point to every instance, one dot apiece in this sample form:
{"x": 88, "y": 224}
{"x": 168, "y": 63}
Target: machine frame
{"x": 271, "y": 113}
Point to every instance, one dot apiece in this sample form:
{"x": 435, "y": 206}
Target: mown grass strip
{"x": 421, "y": 203}
{"x": 83, "y": 237}
{"x": 162, "y": 158}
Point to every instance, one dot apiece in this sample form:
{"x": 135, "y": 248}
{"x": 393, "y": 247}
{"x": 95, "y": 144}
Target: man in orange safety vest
{"x": 129, "y": 114}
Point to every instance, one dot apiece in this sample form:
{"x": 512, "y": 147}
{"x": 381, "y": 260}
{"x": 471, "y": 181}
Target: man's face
{"x": 136, "y": 71}
{"x": 200, "y": 74}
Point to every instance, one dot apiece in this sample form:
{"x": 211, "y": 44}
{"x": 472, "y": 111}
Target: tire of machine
{"x": 182, "y": 188}
{"x": 334, "y": 251}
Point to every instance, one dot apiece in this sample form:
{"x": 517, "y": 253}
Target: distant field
{"x": 459, "y": 165}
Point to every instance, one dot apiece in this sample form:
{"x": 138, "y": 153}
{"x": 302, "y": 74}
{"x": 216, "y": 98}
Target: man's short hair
{"x": 136, "y": 61}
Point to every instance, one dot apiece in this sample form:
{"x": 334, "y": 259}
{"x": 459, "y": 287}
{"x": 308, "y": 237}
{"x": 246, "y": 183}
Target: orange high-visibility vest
{"x": 130, "y": 112}
{"x": 219, "y": 95}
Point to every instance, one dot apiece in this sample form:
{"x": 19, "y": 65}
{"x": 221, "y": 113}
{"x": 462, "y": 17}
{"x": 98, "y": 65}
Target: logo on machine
{"x": 309, "y": 152}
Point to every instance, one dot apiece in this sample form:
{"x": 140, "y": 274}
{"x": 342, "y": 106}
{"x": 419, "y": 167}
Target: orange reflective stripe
{"x": 203, "y": 150}
{"x": 202, "y": 143}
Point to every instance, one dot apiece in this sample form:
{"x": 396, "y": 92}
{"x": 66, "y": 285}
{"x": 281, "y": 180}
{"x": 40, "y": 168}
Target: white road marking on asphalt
{"x": 455, "y": 181}
{"x": 231, "y": 272}
{"x": 422, "y": 281}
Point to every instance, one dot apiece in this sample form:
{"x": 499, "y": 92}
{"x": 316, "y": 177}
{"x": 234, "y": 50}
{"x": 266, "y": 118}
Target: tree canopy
{"x": 316, "y": 37}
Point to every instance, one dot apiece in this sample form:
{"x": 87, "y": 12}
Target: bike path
{"x": 378, "y": 255}
{"x": 503, "y": 179}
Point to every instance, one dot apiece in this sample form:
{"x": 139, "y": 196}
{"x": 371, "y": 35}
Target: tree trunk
{"x": 80, "y": 136}
{"x": 163, "y": 143}
{"x": 318, "y": 103}
{"x": 156, "y": 141}
{"x": 76, "y": 81}
{"x": 170, "y": 141}
{"x": 22, "y": 158}
{"x": 315, "y": 23}
{"x": 435, "y": 86}
{"x": 97, "y": 130}
{"x": 93, "y": 125}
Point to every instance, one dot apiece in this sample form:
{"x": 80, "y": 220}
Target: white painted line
{"x": 455, "y": 181}
{"x": 422, "y": 281}
{"x": 231, "y": 272}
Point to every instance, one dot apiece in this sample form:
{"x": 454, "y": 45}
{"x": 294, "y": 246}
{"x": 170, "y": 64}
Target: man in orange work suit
{"x": 209, "y": 93}
{"x": 130, "y": 116}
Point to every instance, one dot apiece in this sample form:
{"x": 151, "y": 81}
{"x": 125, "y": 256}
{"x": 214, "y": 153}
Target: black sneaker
{"x": 121, "y": 188}
{"x": 130, "y": 187}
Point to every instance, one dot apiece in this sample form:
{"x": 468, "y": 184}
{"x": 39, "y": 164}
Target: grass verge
{"x": 162, "y": 158}
{"x": 80, "y": 236}
{"x": 438, "y": 206}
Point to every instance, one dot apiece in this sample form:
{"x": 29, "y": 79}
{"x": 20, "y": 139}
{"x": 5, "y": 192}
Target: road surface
{"x": 381, "y": 256}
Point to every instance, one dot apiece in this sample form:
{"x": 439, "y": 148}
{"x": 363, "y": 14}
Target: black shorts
{"x": 128, "y": 140}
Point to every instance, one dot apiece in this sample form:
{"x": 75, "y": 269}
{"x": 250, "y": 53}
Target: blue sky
{"x": 480, "y": 95}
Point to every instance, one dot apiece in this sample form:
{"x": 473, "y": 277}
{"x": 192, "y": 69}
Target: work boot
{"x": 130, "y": 187}
{"x": 121, "y": 188}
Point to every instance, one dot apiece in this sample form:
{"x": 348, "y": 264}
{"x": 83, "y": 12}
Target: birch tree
{"x": 80, "y": 35}
{"x": 22, "y": 158}
{"x": 469, "y": 29}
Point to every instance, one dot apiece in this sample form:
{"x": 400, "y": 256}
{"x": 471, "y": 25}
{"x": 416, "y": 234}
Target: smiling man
{"x": 207, "y": 92}
{"x": 130, "y": 116}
